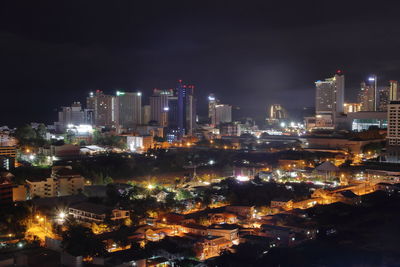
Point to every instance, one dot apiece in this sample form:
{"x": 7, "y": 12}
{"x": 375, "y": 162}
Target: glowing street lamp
{"x": 150, "y": 186}
{"x": 62, "y": 215}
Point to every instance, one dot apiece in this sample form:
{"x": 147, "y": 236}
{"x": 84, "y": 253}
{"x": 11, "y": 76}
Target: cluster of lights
{"x": 242, "y": 178}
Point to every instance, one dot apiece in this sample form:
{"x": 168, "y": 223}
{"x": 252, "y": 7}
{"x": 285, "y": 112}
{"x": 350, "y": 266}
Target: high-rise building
{"x": 186, "y": 109}
{"x": 352, "y": 107}
{"x": 173, "y": 112}
{"x": 393, "y": 91}
{"x": 383, "y": 98}
{"x": 218, "y": 113}
{"x": 277, "y": 112}
{"x": 71, "y": 115}
{"x": 223, "y": 114}
{"x": 212, "y": 101}
{"x": 393, "y": 131}
{"x": 146, "y": 114}
{"x": 103, "y": 106}
{"x": 159, "y": 106}
{"x": 128, "y": 109}
{"x": 330, "y": 96}
{"x": 367, "y": 97}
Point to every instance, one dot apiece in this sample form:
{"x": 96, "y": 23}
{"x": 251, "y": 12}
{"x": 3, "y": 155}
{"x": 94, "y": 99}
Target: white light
{"x": 283, "y": 124}
{"x": 242, "y": 178}
{"x": 211, "y": 162}
{"x": 166, "y": 108}
{"x": 70, "y": 125}
{"x": 371, "y": 79}
{"x": 292, "y": 124}
{"x": 61, "y": 215}
{"x": 84, "y": 128}
{"x": 32, "y": 157}
{"x": 139, "y": 93}
{"x": 211, "y": 98}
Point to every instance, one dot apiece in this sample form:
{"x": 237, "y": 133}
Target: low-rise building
{"x": 283, "y": 235}
{"x": 70, "y": 182}
{"x": 43, "y": 187}
{"x": 89, "y": 212}
{"x": 282, "y": 203}
{"x": 244, "y": 211}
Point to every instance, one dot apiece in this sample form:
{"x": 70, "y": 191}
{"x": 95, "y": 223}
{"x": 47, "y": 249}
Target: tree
{"x": 80, "y": 241}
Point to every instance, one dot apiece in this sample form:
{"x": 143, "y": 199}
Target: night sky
{"x": 249, "y": 53}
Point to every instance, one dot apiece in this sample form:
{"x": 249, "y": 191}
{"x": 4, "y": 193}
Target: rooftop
{"x": 92, "y": 208}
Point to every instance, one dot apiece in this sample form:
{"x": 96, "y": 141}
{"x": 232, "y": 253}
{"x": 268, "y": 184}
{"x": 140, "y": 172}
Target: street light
{"x": 62, "y": 215}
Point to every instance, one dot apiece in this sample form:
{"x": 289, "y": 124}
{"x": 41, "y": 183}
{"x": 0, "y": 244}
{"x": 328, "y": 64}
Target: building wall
{"x": 70, "y": 186}
{"x": 44, "y": 188}
{"x": 393, "y": 134}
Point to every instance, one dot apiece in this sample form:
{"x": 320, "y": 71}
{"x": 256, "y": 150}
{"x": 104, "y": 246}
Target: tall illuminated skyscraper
{"x": 218, "y": 113}
{"x": 159, "y": 106}
{"x": 330, "y": 97}
{"x": 103, "y": 107}
{"x": 186, "y": 109}
{"x": 367, "y": 97}
{"x": 277, "y": 112}
{"x": 128, "y": 109}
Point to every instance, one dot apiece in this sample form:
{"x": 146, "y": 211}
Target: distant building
{"x": 393, "y": 134}
{"x": 360, "y": 121}
{"x": 230, "y": 129}
{"x": 139, "y": 143}
{"x": 146, "y": 114}
{"x": 159, "y": 106}
{"x": 383, "y": 98}
{"x": 218, "y": 113}
{"x": 393, "y": 91}
{"x": 73, "y": 115}
{"x": 128, "y": 109}
{"x": 330, "y": 97}
{"x": 186, "y": 109}
{"x": 352, "y": 107}
{"x": 103, "y": 106}
{"x": 277, "y": 113}
{"x": 367, "y": 96}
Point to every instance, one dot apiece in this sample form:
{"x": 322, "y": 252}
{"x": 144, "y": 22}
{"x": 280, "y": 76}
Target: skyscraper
{"x": 212, "y": 101}
{"x": 223, "y": 114}
{"x": 146, "y": 114}
{"x": 330, "y": 96}
{"x": 159, "y": 106}
{"x": 71, "y": 115}
{"x": 218, "y": 113}
{"x": 128, "y": 109}
{"x": 383, "y": 98}
{"x": 367, "y": 97}
{"x": 103, "y": 106}
{"x": 276, "y": 113}
{"x": 393, "y": 91}
{"x": 186, "y": 109}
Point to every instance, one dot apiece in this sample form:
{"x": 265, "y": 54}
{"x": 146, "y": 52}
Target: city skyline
{"x": 274, "y": 57}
